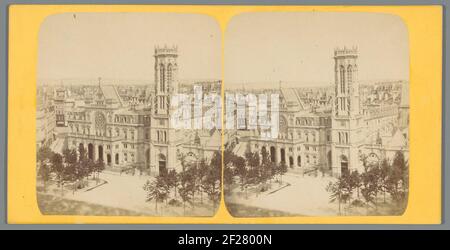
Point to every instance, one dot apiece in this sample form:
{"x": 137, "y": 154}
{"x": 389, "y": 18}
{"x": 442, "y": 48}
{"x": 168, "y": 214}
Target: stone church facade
{"x": 334, "y": 138}
{"x": 128, "y": 136}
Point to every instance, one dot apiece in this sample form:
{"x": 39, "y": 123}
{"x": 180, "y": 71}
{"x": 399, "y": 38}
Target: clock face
{"x": 100, "y": 121}
{"x": 191, "y": 158}
{"x": 372, "y": 159}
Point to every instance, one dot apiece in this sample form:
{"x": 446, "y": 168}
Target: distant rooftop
{"x": 110, "y": 93}
{"x": 291, "y": 98}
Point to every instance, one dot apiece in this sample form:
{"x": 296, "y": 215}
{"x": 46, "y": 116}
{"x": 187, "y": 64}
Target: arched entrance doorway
{"x": 100, "y": 153}
{"x": 117, "y": 159}
{"x": 162, "y": 164}
{"x": 81, "y": 150}
{"x": 291, "y": 161}
{"x": 108, "y": 159}
{"x": 90, "y": 151}
{"x": 264, "y": 154}
{"x": 283, "y": 155}
{"x": 344, "y": 165}
{"x": 272, "y": 154}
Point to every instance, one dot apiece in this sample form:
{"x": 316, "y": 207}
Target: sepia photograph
{"x": 108, "y": 92}
{"x": 221, "y": 117}
{"x": 319, "y": 114}
{"x": 315, "y": 114}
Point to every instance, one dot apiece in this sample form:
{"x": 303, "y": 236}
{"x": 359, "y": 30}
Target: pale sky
{"x": 121, "y": 45}
{"x": 298, "y": 47}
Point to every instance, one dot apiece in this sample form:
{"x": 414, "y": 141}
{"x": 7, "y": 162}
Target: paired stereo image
{"x": 309, "y": 118}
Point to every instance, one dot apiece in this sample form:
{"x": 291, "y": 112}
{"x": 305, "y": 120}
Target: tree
{"x": 253, "y": 162}
{"x": 228, "y": 156}
{"x": 273, "y": 169}
{"x": 187, "y": 188}
{"x": 44, "y": 156}
{"x": 85, "y": 167}
{"x": 71, "y": 171}
{"x": 363, "y": 159}
{"x": 266, "y": 166}
{"x": 97, "y": 168}
{"x": 355, "y": 181}
{"x": 281, "y": 170}
{"x": 228, "y": 174}
{"x": 45, "y": 174}
{"x": 172, "y": 181}
{"x": 58, "y": 169}
{"x": 88, "y": 166}
{"x": 201, "y": 171}
{"x": 241, "y": 171}
{"x": 156, "y": 190}
{"x": 383, "y": 176}
{"x": 212, "y": 180}
{"x": 340, "y": 190}
{"x": 228, "y": 162}
{"x": 335, "y": 193}
{"x": 191, "y": 181}
{"x": 82, "y": 154}
{"x": 187, "y": 180}
{"x": 398, "y": 178}
{"x": 370, "y": 184}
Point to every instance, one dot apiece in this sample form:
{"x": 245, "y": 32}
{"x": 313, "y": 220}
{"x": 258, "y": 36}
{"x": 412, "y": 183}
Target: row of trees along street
{"x": 72, "y": 167}
{"x": 381, "y": 181}
{"x": 196, "y": 178}
{"x": 252, "y": 170}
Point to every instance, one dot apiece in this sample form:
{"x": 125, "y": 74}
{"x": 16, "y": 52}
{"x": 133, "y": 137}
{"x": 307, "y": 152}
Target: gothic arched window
{"x": 169, "y": 73}
{"x": 342, "y": 78}
{"x": 161, "y": 77}
{"x": 349, "y": 74}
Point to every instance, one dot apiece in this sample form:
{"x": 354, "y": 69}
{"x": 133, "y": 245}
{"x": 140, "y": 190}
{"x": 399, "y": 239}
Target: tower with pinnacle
{"x": 347, "y": 119}
{"x": 163, "y": 138}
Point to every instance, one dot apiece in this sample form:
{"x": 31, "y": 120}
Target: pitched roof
{"x": 110, "y": 93}
{"x": 59, "y": 145}
{"x": 398, "y": 139}
{"x": 291, "y": 98}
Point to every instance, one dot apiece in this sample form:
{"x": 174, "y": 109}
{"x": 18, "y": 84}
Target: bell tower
{"x": 347, "y": 120}
{"x": 346, "y": 82}
{"x": 166, "y": 73}
{"x": 164, "y": 139}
